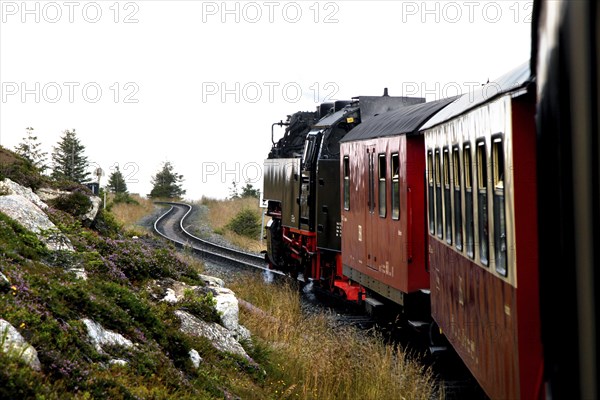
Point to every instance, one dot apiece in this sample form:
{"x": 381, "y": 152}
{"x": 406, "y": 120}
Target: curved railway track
{"x": 170, "y": 226}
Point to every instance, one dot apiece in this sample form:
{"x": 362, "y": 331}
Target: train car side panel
{"x": 354, "y": 199}
{"x": 377, "y": 216}
{"x": 525, "y": 193}
{"x": 473, "y": 280}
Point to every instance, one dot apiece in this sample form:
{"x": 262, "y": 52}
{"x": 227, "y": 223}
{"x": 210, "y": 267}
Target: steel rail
{"x": 182, "y": 238}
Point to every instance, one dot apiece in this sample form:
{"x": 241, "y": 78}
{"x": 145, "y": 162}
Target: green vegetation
{"x": 29, "y": 148}
{"x": 75, "y": 203}
{"x": 46, "y": 303}
{"x": 19, "y": 169}
{"x": 246, "y": 223}
{"x": 317, "y": 361}
{"x": 167, "y": 183}
{"x": 222, "y": 213}
{"x": 116, "y": 182}
{"x": 69, "y": 160}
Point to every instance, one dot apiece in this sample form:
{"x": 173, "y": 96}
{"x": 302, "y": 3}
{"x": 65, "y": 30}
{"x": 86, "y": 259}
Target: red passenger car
{"x": 383, "y": 207}
{"x": 482, "y": 226}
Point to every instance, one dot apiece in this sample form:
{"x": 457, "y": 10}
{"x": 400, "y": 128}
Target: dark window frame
{"x": 430, "y": 185}
{"x": 469, "y": 200}
{"x": 457, "y": 188}
{"x": 499, "y": 204}
{"x": 439, "y": 221}
{"x": 371, "y": 202}
{"x": 346, "y": 167}
{"x": 395, "y": 172}
{"x": 382, "y": 184}
{"x": 447, "y": 187}
{"x": 482, "y": 202}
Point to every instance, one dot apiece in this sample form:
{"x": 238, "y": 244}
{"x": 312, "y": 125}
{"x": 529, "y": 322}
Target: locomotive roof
{"x": 404, "y": 120}
{"x": 331, "y": 119}
{"x": 512, "y": 81}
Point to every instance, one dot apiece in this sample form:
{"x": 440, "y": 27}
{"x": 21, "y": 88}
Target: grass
{"x": 318, "y": 362}
{"x": 222, "y": 212}
{"x": 128, "y": 214}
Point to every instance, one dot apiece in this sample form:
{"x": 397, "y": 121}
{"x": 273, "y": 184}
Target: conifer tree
{"x": 116, "y": 182}
{"x": 166, "y": 183}
{"x": 29, "y": 148}
{"x": 69, "y": 162}
{"x": 250, "y": 191}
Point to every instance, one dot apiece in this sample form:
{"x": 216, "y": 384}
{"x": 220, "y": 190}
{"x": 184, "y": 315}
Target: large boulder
{"x": 226, "y": 303}
{"x": 8, "y": 187}
{"x": 13, "y": 343}
{"x": 100, "y": 337}
{"x": 221, "y": 338}
{"x": 35, "y": 220}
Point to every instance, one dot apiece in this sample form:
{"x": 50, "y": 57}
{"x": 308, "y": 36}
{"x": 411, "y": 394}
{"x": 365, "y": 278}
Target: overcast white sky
{"x": 199, "y": 83}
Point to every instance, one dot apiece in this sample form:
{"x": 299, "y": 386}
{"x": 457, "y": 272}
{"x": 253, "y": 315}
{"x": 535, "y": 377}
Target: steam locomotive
{"x": 473, "y": 215}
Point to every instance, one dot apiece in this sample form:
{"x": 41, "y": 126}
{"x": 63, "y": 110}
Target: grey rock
{"x": 14, "y": 344}
{"x": 35, "y": 220}
{"x": 118, "y": 361}
{"x": 212, "y": 281}
{"x": 227, "y": 306}
{"x": 222, "y": 339}
{"x": 103, "y": 337}
{"x": 79, "y": 273}
{"x": 195, "y": 358}
{"x": 9, "y": 187}
{"x": 4, "y": 282}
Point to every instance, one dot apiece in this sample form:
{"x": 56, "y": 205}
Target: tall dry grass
{"x": 130, "y": 214}
{"x": 316, "y": 361}
{"x": 221, "y": 212}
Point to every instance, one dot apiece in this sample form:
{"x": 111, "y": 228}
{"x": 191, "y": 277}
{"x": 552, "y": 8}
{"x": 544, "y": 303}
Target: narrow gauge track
{"x": 170, "y": 226}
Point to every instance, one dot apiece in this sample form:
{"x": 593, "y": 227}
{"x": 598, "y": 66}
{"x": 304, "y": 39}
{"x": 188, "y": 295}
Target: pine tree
{"x": 116, "y": 182}
{"x": 250, "y": 191}
{"x": 29, "y": 148}
{"x": 233, "y": 191}
{"x": 166, "y": 183}
{"x": 69, "y": 161}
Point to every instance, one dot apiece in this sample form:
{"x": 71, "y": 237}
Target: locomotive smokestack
{"x": 385, "y": 92}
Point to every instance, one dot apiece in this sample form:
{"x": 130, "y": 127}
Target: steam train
{"x": 476, "y": 215}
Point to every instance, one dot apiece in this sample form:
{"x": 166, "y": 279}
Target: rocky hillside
{"x": 87, "y": 312}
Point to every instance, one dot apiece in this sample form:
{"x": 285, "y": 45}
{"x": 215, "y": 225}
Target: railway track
{"x": 171, "y": 226}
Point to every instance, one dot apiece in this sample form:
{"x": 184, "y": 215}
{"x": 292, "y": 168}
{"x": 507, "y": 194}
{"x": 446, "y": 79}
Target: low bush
{"x": 246, "y": 223}
{"x": 75, "y": 203}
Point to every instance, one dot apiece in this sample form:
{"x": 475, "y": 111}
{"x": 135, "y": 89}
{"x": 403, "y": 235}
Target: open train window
{"x": 430, "y": 189}
{"x": 499, "y": 210}
{"x": 457, "y": 198}
{"x": 381, "y": 170}
{"x": 439, "y": 224}
{"x": 395, "y": 186}
{"x": 482, "y": 205}
{"x": 469, "y": 219}
{"x": 447, "y": 199}
{"x": 346, "y": 183}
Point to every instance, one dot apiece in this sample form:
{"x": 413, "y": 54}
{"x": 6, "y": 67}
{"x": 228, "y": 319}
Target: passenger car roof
{"x": 404, "y": 120}
{"x": 512, "y": 81}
